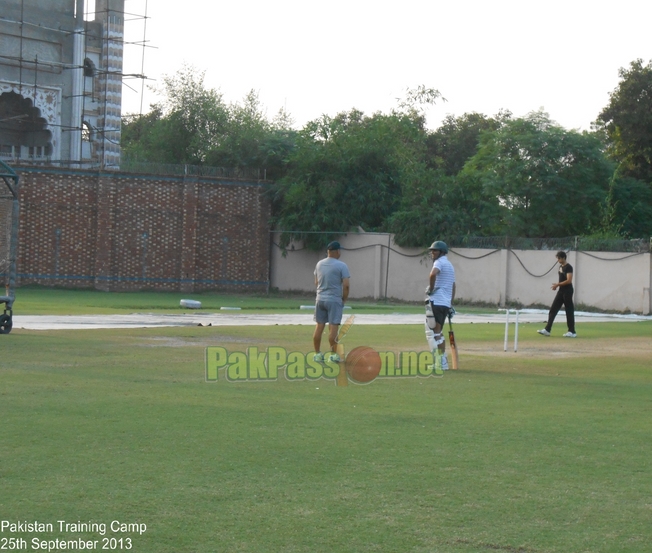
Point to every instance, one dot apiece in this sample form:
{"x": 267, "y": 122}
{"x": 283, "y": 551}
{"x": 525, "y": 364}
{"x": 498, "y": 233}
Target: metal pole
{"x": 506, "y": 327}
{"x": 389, "y": 247}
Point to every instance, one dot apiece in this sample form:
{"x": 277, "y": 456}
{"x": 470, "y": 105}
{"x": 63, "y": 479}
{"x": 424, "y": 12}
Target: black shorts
{"x": 440, "y": 312}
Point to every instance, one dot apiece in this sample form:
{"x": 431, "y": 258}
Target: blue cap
{"x": 333, "y": 246}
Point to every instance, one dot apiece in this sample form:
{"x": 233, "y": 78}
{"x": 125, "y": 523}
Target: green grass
{"x": 34, "y": 300}
{"x": 515, "y": 452}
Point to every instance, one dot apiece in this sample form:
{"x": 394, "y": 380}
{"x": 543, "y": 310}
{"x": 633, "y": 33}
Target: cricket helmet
{"x": 439, "y": 246}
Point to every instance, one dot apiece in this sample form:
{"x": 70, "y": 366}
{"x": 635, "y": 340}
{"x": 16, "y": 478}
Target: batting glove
{"x": 428, "y": 291}
{"x": 451, "y": 312}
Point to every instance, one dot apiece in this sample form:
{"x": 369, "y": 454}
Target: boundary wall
{"x": 381, "y": 269}
{"x": 118, "y": 231}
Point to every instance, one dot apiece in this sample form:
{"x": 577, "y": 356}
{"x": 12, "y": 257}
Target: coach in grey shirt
{"x": 332, "y": 282}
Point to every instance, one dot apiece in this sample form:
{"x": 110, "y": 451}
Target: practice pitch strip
{"x": 147, "y": 320}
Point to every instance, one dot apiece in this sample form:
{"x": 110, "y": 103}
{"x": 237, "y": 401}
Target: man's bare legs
{"x": 332, "y": 336}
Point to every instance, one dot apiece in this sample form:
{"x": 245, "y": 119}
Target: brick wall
{"x": 118, "y": 231}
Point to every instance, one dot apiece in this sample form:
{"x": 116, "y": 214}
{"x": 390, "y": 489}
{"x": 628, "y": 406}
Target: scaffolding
{"x": 9, "y": 209}
{"x": 62, "y": 80}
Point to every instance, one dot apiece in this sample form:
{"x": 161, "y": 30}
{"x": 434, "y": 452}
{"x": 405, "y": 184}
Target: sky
{"x": 315, "y": 58}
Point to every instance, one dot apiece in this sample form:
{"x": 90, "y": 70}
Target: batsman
{"x": 440, "y": 294}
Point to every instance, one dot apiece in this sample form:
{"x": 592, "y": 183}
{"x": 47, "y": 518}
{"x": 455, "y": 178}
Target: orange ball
{"x": 363, "y": 364}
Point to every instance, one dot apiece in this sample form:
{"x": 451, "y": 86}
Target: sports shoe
{"x": 441, "y": 363}
{"x": 570, "y": 335}
{"x": 334, "y": 358}
{"x": 319, "y": 357}
{"x": 543, "y": 332}
{"x": 434, "y": 370}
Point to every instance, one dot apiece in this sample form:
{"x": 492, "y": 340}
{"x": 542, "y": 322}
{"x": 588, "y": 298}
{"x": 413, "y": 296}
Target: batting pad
{"x": 434, "y": 340}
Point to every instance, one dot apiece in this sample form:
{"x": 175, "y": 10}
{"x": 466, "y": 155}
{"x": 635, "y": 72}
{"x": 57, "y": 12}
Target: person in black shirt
{"x": 564, "y": 297}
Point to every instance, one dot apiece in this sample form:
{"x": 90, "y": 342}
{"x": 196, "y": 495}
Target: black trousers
{"x": 564, "y": 297}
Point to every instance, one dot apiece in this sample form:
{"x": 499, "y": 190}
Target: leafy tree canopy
{"x": 474, "y": 175}
{"x": 547, "y": 181}
{"x": 194, "y": 125}
{"x": 457, "y": 139}
{"x": 631, "y": 207}
{"x": 347, "y": 172}
{"x": 627, "y": 121}
{"x": 441, "y": 202}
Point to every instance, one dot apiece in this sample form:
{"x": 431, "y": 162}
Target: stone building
{"x": 61, "y": 82}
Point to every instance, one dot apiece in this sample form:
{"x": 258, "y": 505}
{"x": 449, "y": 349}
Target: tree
{"x": 249, "y": 139}
{"x": 193, "y": 125}
{"x": 139, "y": 134}
{"x": 548, "y": 182}
{"x": 627, "y": 121}
{"x": 183, "y": 128}
{"x": 348, "y": 172}
{"x": 442, "y": 206}
{"x": 195, "y": 118}
{"x": 626, "y": 211}
{"x": 632, "y": 207}
{"x": 458, "y": 138}
{"x": 441, "y": 202}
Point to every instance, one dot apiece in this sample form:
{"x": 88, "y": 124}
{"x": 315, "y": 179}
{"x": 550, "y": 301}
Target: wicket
{"x": 515, "y": 328}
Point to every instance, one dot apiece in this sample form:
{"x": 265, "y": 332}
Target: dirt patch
{"x": 180, "y": 342}
{"x": 535, "y": 349}
{"x": 569, "y": 347}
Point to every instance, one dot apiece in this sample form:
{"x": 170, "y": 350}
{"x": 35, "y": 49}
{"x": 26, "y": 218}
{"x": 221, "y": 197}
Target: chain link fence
{"x": 133, "y": 166}
{"x": 240, "y": 173}
{"x": 568, "y": 243}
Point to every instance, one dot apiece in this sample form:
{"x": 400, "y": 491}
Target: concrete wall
{"x": 117, "y": 231}
{"x": 379, "y": 268}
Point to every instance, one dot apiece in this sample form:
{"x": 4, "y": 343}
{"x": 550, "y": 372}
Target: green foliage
{"x": 627, "y": 121}
{"x": 440, "y": 202}
{"x": 348, "y": 171}
{"x": 196, "y": 118}
{"x": 416, "y": 98}
{"x": 633, "y": 207}
{"x": 626, "y": 211}
{"x": 194, "y": 125}
{"x": 250, "y": 140}
{"x": 607, "y": 227}
{"x": 441, "y": 207}
{"x": 548, "y": 182}
{"x": 139, "y": 134}
{"x": 184, "y": 128}
{"x": 457, "y": 139}
{"x": 474, "y": 175}
{"x": 626, "y": 124}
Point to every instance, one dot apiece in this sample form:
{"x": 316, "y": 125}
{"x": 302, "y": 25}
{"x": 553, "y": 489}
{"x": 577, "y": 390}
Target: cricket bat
{"x": 342, "y": 378}
{"x": 451, "y": 338}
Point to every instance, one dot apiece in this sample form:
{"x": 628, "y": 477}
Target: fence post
{"x": 576, "y": 277}
{"x": 378, "y": 270}
{"x": 647, "y": 302}
{"x": 389, "y": 249}
{"x": 504, "y": 276}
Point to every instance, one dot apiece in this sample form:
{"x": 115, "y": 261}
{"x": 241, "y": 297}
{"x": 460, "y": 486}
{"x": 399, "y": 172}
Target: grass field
{"x": 43, "y": 301}
{"x": 546, "y": 450}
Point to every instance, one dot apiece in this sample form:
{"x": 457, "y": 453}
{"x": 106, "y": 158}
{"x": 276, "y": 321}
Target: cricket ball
{"x": 363, "y": 364}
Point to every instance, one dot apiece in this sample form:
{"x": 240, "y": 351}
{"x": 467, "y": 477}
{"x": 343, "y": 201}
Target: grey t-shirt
{"x": 330, "y": 272}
